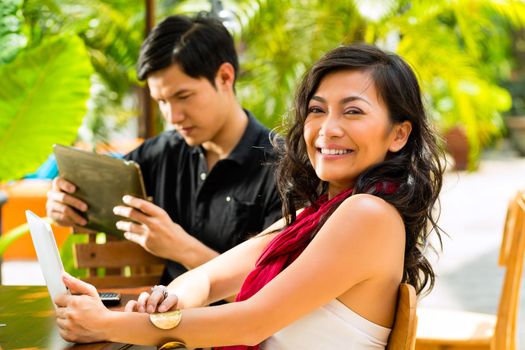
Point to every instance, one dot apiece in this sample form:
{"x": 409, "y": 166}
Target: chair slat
{"x": 403, "y": 334}
{"x": 121, "y": 281}
{"x": 122, "y": 263}
{"x": 113, "y": 254}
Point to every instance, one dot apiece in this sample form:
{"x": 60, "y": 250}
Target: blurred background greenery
{"x": 68, "y": 67}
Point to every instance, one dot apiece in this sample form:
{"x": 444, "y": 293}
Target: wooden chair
{"x": 117, "y": 263}
{"x": 445, "y": 329}
{"x": 403, "y": 334}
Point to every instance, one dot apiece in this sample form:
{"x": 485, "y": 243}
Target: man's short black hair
{"x": 199, "y": 45}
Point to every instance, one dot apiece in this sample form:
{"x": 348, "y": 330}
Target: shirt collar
{"x": 241, "y": 153}
{"x": 249, "y": 141}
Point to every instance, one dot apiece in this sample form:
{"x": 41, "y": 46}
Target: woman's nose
{"x": 331, "y": 126}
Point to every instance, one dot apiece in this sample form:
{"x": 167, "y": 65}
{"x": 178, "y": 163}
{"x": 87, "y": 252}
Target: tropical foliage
{"x": 459, "y": 48}
{"x": 54, "y": 55}
{"x": 43, "y": 92}
{"x": 42, "y": 101}
{"x": 62, "y": 61}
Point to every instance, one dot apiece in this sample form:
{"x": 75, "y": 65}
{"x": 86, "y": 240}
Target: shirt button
{"x": 203, "y": 176}
{"x": 228, "y": 199}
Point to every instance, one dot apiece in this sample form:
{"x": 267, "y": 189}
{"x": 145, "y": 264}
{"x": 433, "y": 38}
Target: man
{"x": 210, "y": 177}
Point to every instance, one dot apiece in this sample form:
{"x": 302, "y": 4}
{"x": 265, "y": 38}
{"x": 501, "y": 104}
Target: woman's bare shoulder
{"x": 370, "y": 206}
{"x": 368, "y": 217}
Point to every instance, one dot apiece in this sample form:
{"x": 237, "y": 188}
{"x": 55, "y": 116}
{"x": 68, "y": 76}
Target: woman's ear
{"x": 400, "y": 133}
{"x": 225, "y": 76}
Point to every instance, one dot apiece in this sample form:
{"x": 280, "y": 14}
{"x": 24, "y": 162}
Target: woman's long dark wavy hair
{"x": 417, "y": 168}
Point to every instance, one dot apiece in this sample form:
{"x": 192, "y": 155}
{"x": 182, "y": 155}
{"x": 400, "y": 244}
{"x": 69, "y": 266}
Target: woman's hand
{"x": 160, "y": 300}
{"x": 81, "y": 316}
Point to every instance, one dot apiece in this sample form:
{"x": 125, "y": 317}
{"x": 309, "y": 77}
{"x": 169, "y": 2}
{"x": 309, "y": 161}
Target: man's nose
{"x": 173, "y": 114}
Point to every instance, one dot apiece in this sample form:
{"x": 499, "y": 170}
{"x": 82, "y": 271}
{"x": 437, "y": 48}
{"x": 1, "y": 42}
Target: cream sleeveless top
{"x": 332, "y": 326}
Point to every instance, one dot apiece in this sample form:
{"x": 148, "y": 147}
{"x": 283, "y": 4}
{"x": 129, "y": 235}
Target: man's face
{"x": 193, "y": 106}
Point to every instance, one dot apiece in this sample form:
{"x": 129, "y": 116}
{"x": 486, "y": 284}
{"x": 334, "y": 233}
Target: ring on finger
{"x": 162, "y": 288}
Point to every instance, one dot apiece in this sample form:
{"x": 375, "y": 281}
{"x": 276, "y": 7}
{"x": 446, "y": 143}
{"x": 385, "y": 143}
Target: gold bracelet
{"x": 166, "y": 320}
{"x": 173, "y": 345}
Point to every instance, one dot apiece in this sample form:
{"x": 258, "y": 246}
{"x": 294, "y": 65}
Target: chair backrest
{"x": 512, "y": 252}
{"x": 117, "y": 263}
{"x": 403, "y": 334}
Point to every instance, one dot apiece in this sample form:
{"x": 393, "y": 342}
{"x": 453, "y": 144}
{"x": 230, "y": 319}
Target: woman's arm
{"x": 223, "y": 276}
{"x": 360, "y": 244}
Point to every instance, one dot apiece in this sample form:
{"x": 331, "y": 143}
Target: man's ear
{"x": 401, "y": 132}
{"x": 225, "y": 76}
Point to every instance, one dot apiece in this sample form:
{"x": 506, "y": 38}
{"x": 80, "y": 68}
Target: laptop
{"x": 47, "y": 254}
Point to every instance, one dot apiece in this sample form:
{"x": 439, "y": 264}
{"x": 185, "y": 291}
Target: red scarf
{"x": 285, "y": 247}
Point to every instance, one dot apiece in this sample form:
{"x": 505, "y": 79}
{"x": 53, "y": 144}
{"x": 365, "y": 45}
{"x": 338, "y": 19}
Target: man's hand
{"x": 152, "y": 229}
{"x": 62, "y": 207}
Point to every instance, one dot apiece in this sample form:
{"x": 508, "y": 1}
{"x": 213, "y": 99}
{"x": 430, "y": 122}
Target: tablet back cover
{"x": 101, "y": 182}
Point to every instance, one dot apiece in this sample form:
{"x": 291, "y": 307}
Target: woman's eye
{"x": 353, "y": 111}
{"x": 184, "y": 97}
{"x": 314, "y": 109}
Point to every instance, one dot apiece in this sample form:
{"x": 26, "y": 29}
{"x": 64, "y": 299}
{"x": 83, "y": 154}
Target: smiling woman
{"x": 348, "y": 129}
{"x": 362, "y": 162}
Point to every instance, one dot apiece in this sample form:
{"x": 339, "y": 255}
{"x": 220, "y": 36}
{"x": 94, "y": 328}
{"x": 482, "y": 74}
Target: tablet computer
{"x": 50, "y": 262}
{"x": 47, "y": 254}
{"x": 101, "y": 182}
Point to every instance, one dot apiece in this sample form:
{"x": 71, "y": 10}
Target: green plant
{"x": 11, "y": 38}
{"x": 517, "y": 90}
{"x": 112, "y": 32}
{"x": 460, "y": 49}
{"x": 43, "y": 94}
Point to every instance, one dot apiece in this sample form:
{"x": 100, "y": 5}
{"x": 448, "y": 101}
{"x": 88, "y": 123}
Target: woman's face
{"x": 348, "y": 129}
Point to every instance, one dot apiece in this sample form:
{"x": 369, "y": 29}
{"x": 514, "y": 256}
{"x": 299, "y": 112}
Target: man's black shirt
{"x": 221, "y": 207}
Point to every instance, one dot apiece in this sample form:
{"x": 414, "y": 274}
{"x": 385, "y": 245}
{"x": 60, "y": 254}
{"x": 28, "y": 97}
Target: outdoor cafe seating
{"x": 450, "y": 329}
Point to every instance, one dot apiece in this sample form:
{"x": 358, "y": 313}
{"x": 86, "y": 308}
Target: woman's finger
{"x": 157, "y": 296}
{"x": 169, "y": 303}
{"x": 141, "y": 301}
{"x": 131, "y": 306}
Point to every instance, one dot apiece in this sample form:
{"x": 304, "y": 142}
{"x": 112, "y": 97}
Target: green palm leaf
{"x": 43, "y": 95}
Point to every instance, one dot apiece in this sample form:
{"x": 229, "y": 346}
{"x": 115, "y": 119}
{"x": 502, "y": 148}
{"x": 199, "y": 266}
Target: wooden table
{"x": 27, "y": 321}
